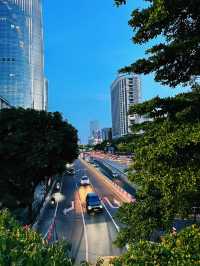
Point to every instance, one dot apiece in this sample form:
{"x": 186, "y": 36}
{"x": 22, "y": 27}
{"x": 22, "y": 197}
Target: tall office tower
{"x": 95, "y": 133}
{"x": 106, "y": 133}
{"x": 125, "y": 91}
{"x": 94, "y": 128}
{"x": 21, "y": 53}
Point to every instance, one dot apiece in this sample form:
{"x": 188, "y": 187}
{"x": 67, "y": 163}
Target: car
{"x": 93, "y": 203}
{"x": 84, "y": 181}
{"x": 52, "y": 201}
{"x": 71, "y": 171}
{"x": 115, "y": 174}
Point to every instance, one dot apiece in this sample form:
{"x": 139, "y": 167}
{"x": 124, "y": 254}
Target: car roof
{"x": 84, "y": 176}
{"x": 92, "y": 194}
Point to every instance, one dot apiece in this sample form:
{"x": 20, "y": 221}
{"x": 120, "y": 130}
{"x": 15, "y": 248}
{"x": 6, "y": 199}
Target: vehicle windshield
{"x": 94, "y": 200}
{"x": 84, "y": 178}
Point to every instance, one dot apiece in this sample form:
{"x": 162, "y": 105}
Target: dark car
{"x": 93, "y": 203}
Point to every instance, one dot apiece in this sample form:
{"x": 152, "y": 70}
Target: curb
{"x": 35, "y": 225}
{"x": 51, "y": 228}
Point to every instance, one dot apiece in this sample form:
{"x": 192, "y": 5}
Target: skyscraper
{"x": 94, "y": 128}
{"x": 106, "y": 133}
{"x": 95, "y": 133}
{"x": 21, "y": 53}
{"x": 125, "y": 91}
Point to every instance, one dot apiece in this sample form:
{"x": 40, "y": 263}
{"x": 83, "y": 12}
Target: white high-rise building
{"x": 125, "y": 91}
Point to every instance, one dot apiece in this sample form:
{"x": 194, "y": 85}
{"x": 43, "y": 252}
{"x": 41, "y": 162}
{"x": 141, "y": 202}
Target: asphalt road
{"x": 91, "y": 236}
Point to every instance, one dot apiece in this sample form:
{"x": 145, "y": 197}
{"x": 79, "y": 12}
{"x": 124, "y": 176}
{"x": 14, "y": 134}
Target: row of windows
{"x": 7, "y": 59}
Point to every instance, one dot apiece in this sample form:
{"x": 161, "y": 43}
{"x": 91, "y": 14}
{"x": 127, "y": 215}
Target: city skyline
{"x": 22, "y": 57}
{"x": 83, "y": 52}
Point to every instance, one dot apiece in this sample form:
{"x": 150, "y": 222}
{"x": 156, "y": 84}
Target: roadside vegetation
{"x": 20, "y": 246}
{"x": 173, "y": 249}
{"x": 167, "y": 144}
{"x": 34, "y": 145}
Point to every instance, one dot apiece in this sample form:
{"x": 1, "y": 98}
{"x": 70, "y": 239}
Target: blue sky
{"x": 86, "y": 42}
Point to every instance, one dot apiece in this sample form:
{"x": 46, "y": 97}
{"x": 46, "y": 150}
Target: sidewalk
{"x": 46, "y": 200}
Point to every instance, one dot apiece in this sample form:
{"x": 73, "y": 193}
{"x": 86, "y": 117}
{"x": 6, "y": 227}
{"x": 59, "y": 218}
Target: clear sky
{"x": 86, "y": 42}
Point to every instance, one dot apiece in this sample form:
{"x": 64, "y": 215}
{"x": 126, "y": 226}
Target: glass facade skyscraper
{"x": 22, "y": 80}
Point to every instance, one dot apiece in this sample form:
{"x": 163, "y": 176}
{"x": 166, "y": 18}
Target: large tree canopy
{"x": 166, "y": 164}
{"x": 33, "y": 145}
{"x": 175, "y": 57}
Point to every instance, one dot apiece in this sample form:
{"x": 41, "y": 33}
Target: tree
{"x": 33, "y": 145}
{"x": 22, "y": 246}
{"x": 166, "y": 164}
{"x": 180, "y": 249}
{"x": 175, "y": 57}
{"x": 101, "y": 146}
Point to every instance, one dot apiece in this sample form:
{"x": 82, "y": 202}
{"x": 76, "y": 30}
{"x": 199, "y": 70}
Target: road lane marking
{"x": 109, "y": 214}
{"x": 65, "y": 211}
{"x": 110, "y": 204}
{"x": 85, "y": 229}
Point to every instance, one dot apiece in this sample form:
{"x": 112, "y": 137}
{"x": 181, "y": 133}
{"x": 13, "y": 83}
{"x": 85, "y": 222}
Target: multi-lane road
{"x": 91, "y": 236}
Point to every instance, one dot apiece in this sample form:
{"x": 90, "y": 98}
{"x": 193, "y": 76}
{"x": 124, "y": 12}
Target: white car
{"x": 115, "y": 174}
{"x": 84, "y": 181}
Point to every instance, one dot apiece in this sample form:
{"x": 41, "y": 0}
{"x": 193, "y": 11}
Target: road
{"x": 122, "y": 178}
{"x": 91, "y": 236}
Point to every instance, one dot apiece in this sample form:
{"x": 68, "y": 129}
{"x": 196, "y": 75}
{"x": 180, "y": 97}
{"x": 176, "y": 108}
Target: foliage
{"x": 101, "y": 146}
{"x": 175, "y": 57}
{"x": 123, "y": 144}
{"x": 120, "y": 2}
{"x": 166, "y": 164}
{"x": 21, "y": 246}
{"x": 33, "y": 145}
{"x": 181, "y": 249}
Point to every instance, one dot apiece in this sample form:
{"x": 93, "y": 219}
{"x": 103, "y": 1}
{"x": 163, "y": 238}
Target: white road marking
{"x": 110, "y": 204}
{"x": 85, "y": 229}
{"x": 109, "y": 214}
{"x": 115, "y": 224}
{"x": 65, "y": 211}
